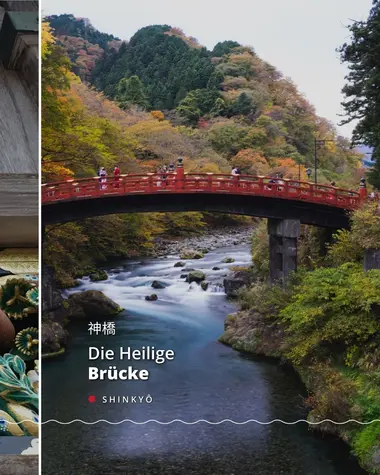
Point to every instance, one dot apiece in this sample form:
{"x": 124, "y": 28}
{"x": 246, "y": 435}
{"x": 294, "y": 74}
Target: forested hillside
{"x": 83, "y": 43}
{"x": 159, "y": 96}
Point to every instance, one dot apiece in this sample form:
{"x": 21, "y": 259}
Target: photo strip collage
{"x": 194, "y": 188}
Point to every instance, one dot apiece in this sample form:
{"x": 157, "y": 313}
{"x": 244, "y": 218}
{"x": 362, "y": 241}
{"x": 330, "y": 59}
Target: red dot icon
{"x": 91, "y": 398}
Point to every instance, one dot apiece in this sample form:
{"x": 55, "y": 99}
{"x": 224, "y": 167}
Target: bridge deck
{"x": 193, "y": 183}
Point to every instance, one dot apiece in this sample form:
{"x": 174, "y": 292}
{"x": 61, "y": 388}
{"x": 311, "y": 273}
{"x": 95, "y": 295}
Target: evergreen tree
{"x": 219, "y": 108}
{"x": 242, "y": 106}
{"x": 215, "y": 80}
{"x": 181, "y": 94}
{"x": 362, "y": 90}
{"x": 197, "y": 103}
{"x": 189, "y": 110}
{"x": 224, "y": 47}
{"x": 131, "y": 91}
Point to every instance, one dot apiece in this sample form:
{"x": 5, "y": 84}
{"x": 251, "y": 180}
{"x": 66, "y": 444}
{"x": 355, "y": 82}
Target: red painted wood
{"x": 200, "y": 183}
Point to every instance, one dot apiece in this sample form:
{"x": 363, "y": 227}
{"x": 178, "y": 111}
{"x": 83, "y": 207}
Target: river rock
{"x": 191, "y": 254}
{"x": 179, "y": 264}
{"x": 249, "y": 331}
{"x": 205, "y": 285}
{"x": 183, "y": 276}
{"x": 7, "y": 332}
{"x": 91, "y": 304}
{"x": 99, "y": 275}
{"x": 53, "y": 337}
{"x": 235, "y": 282}
{"x": 151, "y": 298}
{"x": 190, "y": 269}
{"x": 228, "y": 260}
{"x": 156, "y": 284}
{"x": 216, "y": 268}
{"x": 196, "y": 276}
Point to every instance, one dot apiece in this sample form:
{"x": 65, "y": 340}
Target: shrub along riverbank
{"x": 325, "y": 322}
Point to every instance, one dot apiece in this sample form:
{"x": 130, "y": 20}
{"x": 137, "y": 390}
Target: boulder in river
{"x": 235, "y": 282}
{"x": 98, "y": 276}
{"x": 53, "y": 337}
{"x": 191, "y": 254}
{"x": 204, "y": 285}
{"x": 179, "y": 264}
{"x": 196, "y": 276}
{"x": 156, "y": 284}
{"x": 183, "y": 276}
{"x": 216, "y": 268}
{"x": 91, "y": 304}
{"x": 151, "y": 298}
{"x": 228, "y": 260}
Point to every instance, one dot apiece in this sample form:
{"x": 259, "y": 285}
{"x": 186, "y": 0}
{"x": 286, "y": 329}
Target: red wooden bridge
{"x": 253, "y": 195}
{"x": 150, "y": 183}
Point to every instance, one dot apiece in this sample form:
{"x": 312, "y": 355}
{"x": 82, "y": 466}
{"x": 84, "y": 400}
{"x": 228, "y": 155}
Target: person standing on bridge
{"x": 279, "y": 181}
{"x": 103, "y": 178}
{"x": 235, "y": 175}
{"x": 165, "y": 174}
{"x": 116, "y": 174}
{"x": 171, "y": 170}
{"x": 363, "y": 193}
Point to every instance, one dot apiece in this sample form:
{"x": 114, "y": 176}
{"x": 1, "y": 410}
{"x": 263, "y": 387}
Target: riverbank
{"x": 210, "y": 240}
{"x": 341, "y": 385}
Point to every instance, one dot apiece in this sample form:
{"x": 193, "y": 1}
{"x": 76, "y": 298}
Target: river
{"x": 206, "y": 380}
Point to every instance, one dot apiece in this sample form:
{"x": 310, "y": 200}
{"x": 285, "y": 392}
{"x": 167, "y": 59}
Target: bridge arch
{"x": 316, "y": 214}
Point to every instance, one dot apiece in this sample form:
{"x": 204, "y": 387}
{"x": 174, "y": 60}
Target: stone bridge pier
{"x": 283, "y": 236}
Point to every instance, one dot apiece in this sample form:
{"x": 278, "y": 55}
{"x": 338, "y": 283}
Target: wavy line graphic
{"x": 248, "y": 421}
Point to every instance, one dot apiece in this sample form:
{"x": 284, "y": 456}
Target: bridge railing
{"x": 155, "y": 183}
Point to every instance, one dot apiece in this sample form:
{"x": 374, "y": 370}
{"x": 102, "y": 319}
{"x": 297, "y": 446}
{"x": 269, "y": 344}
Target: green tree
{"x": 197, "y": 103}
{"x": 181, "y": 94}
{"x": 242, "y": 106}
{"x": 189, "y": 110}
{"x": 131, "y": 92}
{"x": 362, "y": 90}
{"x": 219, "y": 108}
{"x": 224, "y": 47}
{"x": 215, "y": 80}
{"x": 229, "y": 137}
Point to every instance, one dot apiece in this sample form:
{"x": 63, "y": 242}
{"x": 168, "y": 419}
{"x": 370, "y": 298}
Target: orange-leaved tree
{"x": 289, "y": 168}
{"x": 251, "y": 162}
